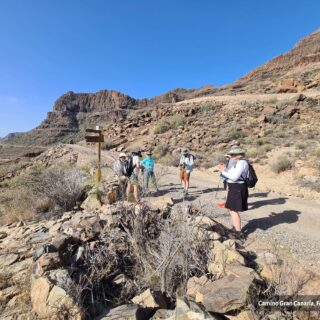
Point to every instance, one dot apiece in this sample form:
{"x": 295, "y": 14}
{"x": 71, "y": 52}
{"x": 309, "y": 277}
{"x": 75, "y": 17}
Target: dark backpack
{"x": 128, "y": 167}
{"x": 251, "y": 179}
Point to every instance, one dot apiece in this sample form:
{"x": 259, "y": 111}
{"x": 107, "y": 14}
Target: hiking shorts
{"x": 134, "y": 180}
{"x": 237, "y": 198}
{"x": 184, "y": 175}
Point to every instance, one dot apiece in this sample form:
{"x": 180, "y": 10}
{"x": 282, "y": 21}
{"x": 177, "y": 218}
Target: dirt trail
{"x": 291, "y": 223}
{"x": 249, "y": 97}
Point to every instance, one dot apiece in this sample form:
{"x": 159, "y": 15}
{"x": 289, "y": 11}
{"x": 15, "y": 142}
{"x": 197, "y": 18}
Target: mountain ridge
{"x": 293, "y": 71}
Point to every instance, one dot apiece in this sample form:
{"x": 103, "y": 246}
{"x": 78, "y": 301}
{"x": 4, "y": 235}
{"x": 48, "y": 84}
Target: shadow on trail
{"x": 261, "y": 203}
{"x": 274, "y": 219}
{"x": 185, "y": 198}
{"x": 259, "y": 194}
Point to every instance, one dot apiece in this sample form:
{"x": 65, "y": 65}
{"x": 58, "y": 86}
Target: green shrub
{"x": 234, "y": 134}
{"x": 208, "y": 106}
{"x": 173, "y": 122}
{"x": 271, "y": 101}
{"x": 252, "y": 153}
{"x": 176, "y": 121}
{"x": 267, "y": 147}
{"x": 301, "y": 146}
{"x": 262, "y": 141}
{"x": 107, "y": 145}
{"x": 281, "y": 164}
{"x": 161, "y": 127}
{"x": 160, "y": 151}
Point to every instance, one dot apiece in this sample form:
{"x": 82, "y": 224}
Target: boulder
{"x": 223, "y": 256}
{"x": 91, "y": 203}
{"x": 58, "y": 300}
{"x": 150, "y": 299}
{"x": 49, "y": 261}
{"x": 60, "y": 278}
{"x": 194, "y": 284}
{"x": 3, "y": 235}
{"x": 127, "y": 312}
{"x": 189, "y": 310}
{"x": 160, "y": 203}
{"x": 39, "y": 293}
{"x": 243, "y": 315}
{"x": 226, "y": 294}
{"x": 164, "y": 314}
{"x": 8, "y": 259}
{"x": 290, "y": 86}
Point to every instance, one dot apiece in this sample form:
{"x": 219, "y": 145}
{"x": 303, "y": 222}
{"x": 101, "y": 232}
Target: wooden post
{"x": 98, "y": 140}
{"x": 99, "y": 161}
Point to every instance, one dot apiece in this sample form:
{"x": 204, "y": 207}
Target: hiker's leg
{"x": 187, "y": 178}
{"x": 236, "y": 222}
{"x": 136, "y": 192}
{"x": 154, "y": 181}
{"x": 181, "y": 176}
{"x": 145, "y": 181}
{"x": 128, "y": 190}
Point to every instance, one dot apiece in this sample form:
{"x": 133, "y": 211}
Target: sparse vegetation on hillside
{"x": 170, "y": 123}
{"x": 281, "y": 164}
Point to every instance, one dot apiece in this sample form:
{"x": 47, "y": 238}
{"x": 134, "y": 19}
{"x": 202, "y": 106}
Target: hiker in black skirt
{"x": 237, "y": 198}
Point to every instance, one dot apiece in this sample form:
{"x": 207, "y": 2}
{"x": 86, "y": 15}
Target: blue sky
{"x": 139, "y": 47}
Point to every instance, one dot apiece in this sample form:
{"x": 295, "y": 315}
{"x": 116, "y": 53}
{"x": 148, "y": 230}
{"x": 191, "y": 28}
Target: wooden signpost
{"x": 98, "y": 138}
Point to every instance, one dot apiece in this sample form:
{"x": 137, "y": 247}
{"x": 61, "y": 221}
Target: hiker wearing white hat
{"x": 120, "y": 171}
{"x": 186, "y": 166}
{"x": 237, "y": 198}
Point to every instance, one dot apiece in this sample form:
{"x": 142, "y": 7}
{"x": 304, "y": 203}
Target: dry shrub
{"x": 281, "y": 164}
{"x": 21, "y": 208}
{"x": 62, "y": 186}
{"x": 160, "y": 251}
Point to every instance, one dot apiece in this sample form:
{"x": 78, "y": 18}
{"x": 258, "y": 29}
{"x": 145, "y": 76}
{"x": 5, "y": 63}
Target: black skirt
{"x": 237, "y": 198}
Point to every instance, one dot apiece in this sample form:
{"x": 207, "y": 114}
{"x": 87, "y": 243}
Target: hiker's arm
{"x": 235, "y": 172}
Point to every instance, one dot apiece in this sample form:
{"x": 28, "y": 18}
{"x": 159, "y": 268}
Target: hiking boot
{"x": 241, "y": 237}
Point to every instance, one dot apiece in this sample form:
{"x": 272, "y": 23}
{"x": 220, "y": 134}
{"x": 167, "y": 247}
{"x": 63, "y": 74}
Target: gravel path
{"x": 292, "y": 224}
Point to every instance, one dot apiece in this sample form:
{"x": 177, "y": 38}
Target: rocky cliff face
{"x": 295, "y": 71}
{"x": 301, "y": 64}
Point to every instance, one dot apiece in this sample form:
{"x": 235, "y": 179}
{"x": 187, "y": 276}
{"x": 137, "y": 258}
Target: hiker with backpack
{"x": 229, "y": 164}
{"x": 120, "y": 170}
{"x": 239, "y": 178}
{"x": 186, "y": 167}
{"x": 133, "y": 169}
{"x": 148, "y": 164}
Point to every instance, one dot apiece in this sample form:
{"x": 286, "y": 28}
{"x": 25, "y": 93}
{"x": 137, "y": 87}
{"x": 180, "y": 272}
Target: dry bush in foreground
{"x": 148, "y": 250}
{"x": 62, "y": 186}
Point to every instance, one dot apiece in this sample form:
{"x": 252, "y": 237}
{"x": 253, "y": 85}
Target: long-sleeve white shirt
{"x": 187, "y": 162}
{"x": 237, "y": 173}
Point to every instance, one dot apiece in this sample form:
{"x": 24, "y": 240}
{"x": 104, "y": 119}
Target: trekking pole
{"x": 217, "y": 188}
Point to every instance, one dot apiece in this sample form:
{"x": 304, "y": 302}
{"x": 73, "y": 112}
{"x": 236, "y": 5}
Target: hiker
{"x": 237, "y": 197}
{"x": 186, "y": 166}
{"x": 229, "y": 164}
{"x": 148, "y": 164}
{"x": 120, "y": 171}
{"x": 133, "y": 182}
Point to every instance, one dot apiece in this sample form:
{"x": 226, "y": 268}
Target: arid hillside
{"x": 295, "y": 71}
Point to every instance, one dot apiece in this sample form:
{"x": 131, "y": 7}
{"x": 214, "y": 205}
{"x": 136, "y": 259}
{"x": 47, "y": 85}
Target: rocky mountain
{"x": 295, "y": 71}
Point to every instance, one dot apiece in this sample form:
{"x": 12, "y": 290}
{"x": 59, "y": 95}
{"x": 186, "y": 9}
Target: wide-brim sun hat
{"x": 237, "y": 150}
{"x": 185, "y": 151}
{"x": 234, "y": 143}
{"x": 149, "y": 153}
{"x": 122, "y": 155}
